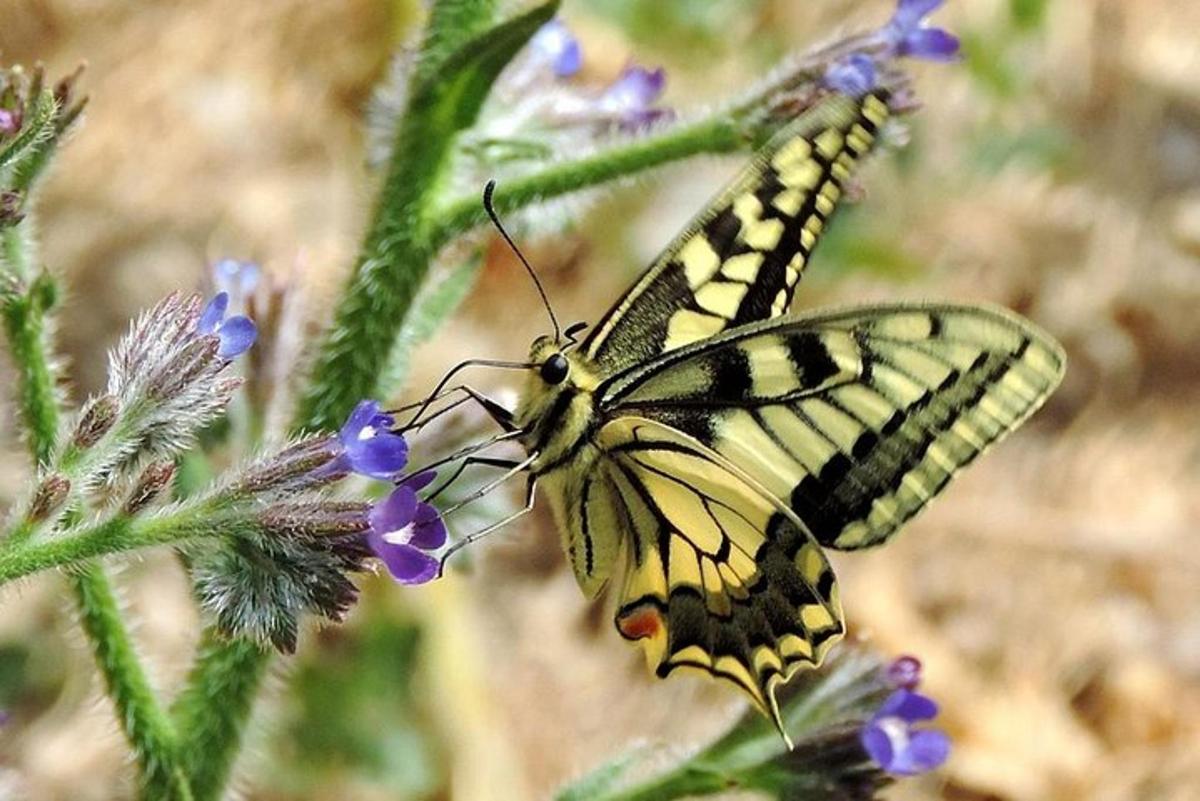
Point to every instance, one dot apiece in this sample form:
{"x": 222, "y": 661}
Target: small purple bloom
{"x": 404, "y": 529}
{"x": 556, "y": 46}
{"x": 854, "y": 75}
{"x": 238, "y": 278}
{"x": 632, "y": 96}
{"x": 9, "y": 121}
{"x": 906, "y": 34}
{"x": 904, "y": 673}
{"x": 236, "y": 334}
{"x": 892, "y": 741}
{"x": 369, "y": 447}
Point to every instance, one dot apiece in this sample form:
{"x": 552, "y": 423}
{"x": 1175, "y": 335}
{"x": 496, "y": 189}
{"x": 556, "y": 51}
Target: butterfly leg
{"x": 530, "y": 494}
{"x": 485, "y": 461}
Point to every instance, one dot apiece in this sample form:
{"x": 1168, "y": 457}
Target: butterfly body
{"x": 701, "y": 447}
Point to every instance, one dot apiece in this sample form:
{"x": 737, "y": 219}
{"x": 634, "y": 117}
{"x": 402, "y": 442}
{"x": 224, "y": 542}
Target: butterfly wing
{"x": 853, "y": 419}
{"x": 718, "y": 575}
{"x": 740, "y": 259}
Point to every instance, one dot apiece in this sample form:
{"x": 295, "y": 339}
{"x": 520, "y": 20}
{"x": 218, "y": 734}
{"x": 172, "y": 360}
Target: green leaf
{"x": 450, "y": 24}
{"x": 597, "y": 783}
{"x": 434, "y": 305}
{"x": 449, "y": 101}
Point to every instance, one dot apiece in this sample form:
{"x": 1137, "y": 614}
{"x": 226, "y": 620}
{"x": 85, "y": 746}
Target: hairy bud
{"x": 295, "y": 467}
{"x": 97, "y": 418}
{"x": 48, "y": 497}
{"x": 150, "y": 484}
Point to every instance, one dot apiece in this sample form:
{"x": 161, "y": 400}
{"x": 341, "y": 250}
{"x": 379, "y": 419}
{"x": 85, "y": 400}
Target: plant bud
{"x": 98, "y": 417}
{"x": 150, "y": 484}
{"x": 48, "y": 497}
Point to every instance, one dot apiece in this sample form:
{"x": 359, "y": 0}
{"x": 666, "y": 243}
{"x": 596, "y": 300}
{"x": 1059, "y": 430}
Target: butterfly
{"x": 702, "y": 448}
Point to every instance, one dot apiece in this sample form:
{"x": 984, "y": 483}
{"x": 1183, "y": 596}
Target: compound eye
{"x": 555, "y": 369}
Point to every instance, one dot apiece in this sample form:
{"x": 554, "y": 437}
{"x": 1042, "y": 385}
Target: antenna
{"x": 491, "y": 210}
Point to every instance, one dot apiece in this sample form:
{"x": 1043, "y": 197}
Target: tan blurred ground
{"x": 1053, "y": 593}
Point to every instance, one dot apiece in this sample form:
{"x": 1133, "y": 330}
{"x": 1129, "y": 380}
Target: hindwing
{"x": 740, "y": 259}
{"x": 718, "y": 575}
{"x": 853, "y": 419}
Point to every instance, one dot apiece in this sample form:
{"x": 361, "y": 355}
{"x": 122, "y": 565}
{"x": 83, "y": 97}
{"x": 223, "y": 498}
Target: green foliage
{"x": 434, "y": 305}
{"x": 365, "y": 674}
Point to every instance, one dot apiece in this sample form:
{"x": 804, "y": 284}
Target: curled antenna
{"x": 491, "y": 210}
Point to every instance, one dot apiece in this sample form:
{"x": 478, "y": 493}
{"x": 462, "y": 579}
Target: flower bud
{"x": 48, "y": 497}
{"x": 98, "y": 417}
{"x": 295, "y": 467}
{"x": 315, "y": 519}
{"x": 150, "y": 484}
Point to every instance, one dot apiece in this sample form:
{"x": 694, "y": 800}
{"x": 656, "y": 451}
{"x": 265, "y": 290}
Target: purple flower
{"x": 404, "y": 529}
{"x": 906, "y": 34}
{"x": 555, "y": 46}
{"x": 10, "y": 121}
{"x": 369, "y": 447}
{"x": 237, "y": 278}
{"x": 904, "y": 673}
{"x": 854, "y": 75}
{"x": 630, "y": 98}
{"x": 236, "y": 334}
{"x": 892, "y": 741}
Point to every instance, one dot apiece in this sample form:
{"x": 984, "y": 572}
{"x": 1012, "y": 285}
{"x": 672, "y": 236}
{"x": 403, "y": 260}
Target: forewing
{"x": 718, "y": 575}
{"x": 854, "y": 419}
{"x": 740, "y": 259}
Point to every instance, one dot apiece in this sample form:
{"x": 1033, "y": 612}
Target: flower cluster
{"x": 891, "y": 737}
{"x": 906, "y": 35}
{"x": 537, "y": 96}
{"x": 404, "y": 529}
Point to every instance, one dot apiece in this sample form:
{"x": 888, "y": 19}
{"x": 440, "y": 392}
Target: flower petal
{"x": 420, "y": 480}
{"x": 237, "y": 335}
{"x": 635, "y": 90}
{"x": 554, "y": 44}
{"x": 932, "y": 44}
{"x": 909, "y": 13}
{"x": 213, "y": 314}
{"x": 360, "y": 418}
{"x": 394, "y": 512}
{"x": 406, "y": 564}
{"x": 853, "y": 75}
{"x": 381, "y": 456}
{"x": 878, "y": 745}
{"x": 429, "y": 531}
{"x": 927, "y": 750}
{"x": 908, "y": 706}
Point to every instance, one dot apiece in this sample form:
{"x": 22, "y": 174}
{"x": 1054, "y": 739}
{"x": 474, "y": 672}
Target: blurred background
{"x": 1053, "y": 592}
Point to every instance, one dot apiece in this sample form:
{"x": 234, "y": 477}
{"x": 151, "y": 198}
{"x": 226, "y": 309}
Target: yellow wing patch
{"x": 718, "y": 575}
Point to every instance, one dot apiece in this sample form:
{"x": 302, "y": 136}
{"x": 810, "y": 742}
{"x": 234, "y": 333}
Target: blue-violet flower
{"x": 236, "y": 334}
{"x": 555, "y": 46}
{"x": 892, "y": 741}
{"x": 369, "y": 446}
{"x": 631, "y": 97}
{"x": 404, "y": 529}
{"x": 854, "y": 75}
{"x": 906, "y": 33}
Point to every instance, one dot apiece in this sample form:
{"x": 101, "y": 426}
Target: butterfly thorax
{"x": 556, "y": 411}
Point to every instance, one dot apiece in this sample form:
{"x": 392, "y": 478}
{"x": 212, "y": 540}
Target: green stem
{"x": 28, "y": 340}
{"x": 709, "y": 135}
{"x": 146, "y": 724}
{"x": 213, "y": 710}
{"x": 115, "y": 535}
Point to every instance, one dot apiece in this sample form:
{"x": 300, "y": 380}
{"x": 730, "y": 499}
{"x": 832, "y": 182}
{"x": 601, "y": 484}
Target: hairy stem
{"x": 145, "y": 723}
{"x": 213, "y": 710}
{"x": 709, "y": 135}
